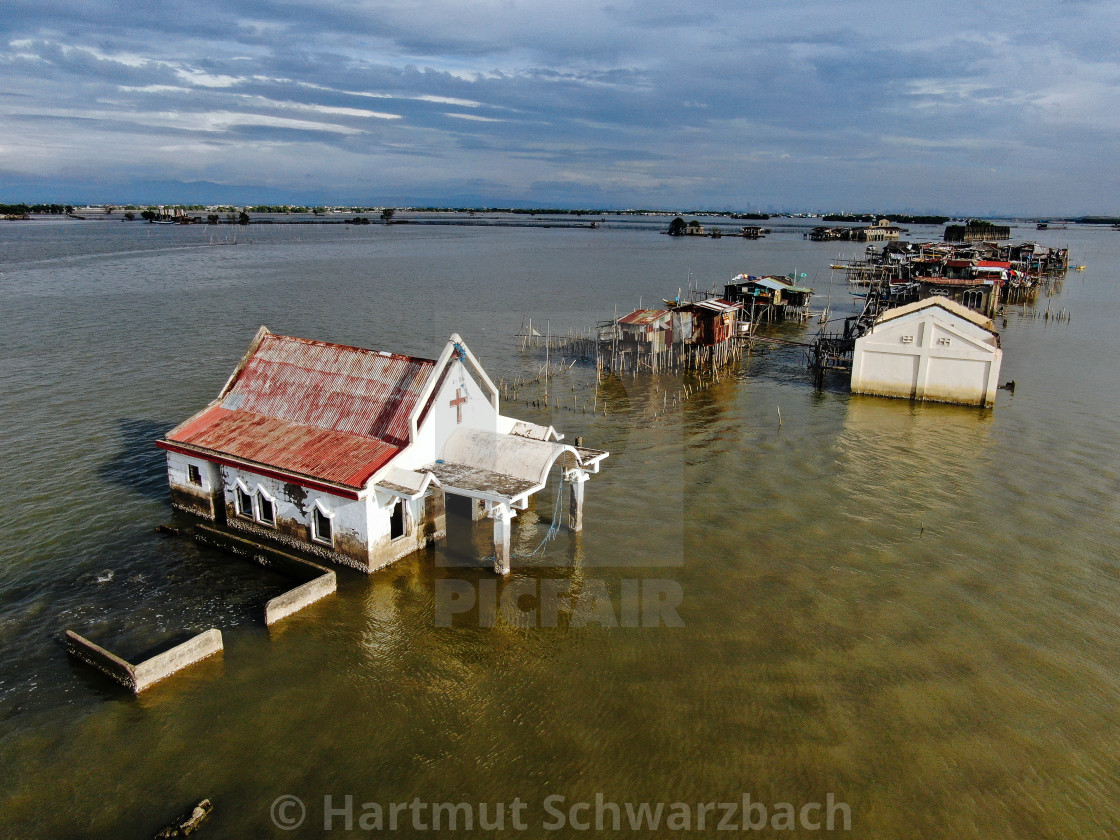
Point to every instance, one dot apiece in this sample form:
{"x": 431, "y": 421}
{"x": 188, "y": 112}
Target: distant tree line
{"x": 920, "y": 220}
{"x": 46, "y": 209}
{"x": 901, "y": 219}
{"x": 387, "y": 213}
{"x": 386, "y": 217}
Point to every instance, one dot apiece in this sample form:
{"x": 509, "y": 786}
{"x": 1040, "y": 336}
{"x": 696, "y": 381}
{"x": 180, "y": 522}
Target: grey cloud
{"x": 798, "y": 99}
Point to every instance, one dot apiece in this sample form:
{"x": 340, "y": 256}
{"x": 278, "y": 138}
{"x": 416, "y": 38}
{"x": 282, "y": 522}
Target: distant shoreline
{"x": 480, "y": 217}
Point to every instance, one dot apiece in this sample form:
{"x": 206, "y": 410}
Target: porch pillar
{"x": 576, "y": 480}
{"x": 502, "y": 515}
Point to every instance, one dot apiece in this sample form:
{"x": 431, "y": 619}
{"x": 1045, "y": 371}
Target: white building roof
{"x": 945, "y": 303}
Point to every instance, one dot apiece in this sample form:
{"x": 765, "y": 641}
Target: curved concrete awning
{"x": 490, "y": 465}
{"x": 520, "y": 457}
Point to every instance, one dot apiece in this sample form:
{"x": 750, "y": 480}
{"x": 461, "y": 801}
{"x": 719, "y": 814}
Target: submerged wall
{"x": 145, "y": 674}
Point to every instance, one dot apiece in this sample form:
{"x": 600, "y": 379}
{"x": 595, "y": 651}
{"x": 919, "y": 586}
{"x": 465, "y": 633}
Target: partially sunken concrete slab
{"x": 145, "y": 674}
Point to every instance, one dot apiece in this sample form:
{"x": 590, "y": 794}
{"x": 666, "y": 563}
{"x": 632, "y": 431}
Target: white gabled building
{"x": 347, "y": 454}
{"x": 932, "y": 349}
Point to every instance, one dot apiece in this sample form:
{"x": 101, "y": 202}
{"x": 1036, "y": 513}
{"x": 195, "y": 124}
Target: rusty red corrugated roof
{"x": 324, "y": 454}
{"x": 331, "y": 386}
{"x": 643, "y": 316}
{"x": 713, "y": 304}
{"x": 317, "y": 409}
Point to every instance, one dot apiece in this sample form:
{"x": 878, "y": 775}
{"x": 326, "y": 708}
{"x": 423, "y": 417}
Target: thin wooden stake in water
{"x": 779, "y": 417}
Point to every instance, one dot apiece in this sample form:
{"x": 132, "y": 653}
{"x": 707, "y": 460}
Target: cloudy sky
{"x": 956, "y": 107}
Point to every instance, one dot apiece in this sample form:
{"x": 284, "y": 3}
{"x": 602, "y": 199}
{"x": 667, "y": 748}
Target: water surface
{"x": 912, "y": 607}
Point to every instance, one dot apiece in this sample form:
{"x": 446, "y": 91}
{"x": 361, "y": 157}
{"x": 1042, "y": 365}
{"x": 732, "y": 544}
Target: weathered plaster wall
{"x": 293, "y": 506}
{"x": 424, "y": 521}
{"x": 203, "y": 500}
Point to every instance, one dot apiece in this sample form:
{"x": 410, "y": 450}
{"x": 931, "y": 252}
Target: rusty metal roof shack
{"x": 311, "y": 412}
{"x": 648, "y": 326}
{"x": 714, "y": 320}
{"x": 646, "y": 318}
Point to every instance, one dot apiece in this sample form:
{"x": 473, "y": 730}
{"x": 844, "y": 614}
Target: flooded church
{"x": 348, "y": 454}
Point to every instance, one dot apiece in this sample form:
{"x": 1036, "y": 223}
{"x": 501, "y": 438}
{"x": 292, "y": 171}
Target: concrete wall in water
{"x": 315, "y": 581}
{"x": 145, "y": 674}
{"x": 296, "y": 599}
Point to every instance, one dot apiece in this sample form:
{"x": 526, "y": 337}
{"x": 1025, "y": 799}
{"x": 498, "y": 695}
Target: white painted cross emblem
{"x": 458, "y": 403}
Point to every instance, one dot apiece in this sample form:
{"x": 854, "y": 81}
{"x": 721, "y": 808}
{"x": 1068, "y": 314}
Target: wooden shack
{"x": 977, "y": 231}
{"x": 767, "y": 298}
{"x": 979, "y": 292}
{"x": 712, "y": 321}
{"x": 696, "y": 334}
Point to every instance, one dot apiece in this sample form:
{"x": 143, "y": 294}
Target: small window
{"x": 194, "y": 475}
{"x": 244, "y": 504}
{"x": 265, "y": 511}
{"x": 396, "y": 521}
{"x": 321, "y": 527}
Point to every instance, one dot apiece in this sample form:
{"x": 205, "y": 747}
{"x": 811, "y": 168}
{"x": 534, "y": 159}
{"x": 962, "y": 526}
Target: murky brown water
{"x": 912, "y": 608}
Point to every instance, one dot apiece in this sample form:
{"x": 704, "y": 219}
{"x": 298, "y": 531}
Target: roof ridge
{"x": 320, "y": 343}
{"x": 947, "y": 304}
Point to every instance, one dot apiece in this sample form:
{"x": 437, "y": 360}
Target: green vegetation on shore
{"x": 45, "y": 209}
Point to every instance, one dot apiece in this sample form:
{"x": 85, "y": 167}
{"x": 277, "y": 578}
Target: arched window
{"x": 244, "y": 501}
{"x": 266, "y": 508}
{"x": 322, "y": 525}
